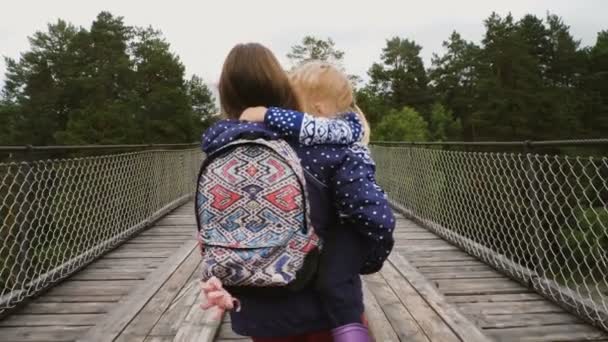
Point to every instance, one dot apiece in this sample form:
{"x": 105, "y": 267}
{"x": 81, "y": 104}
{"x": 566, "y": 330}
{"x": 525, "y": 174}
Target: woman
{"x": 340, "y": 186}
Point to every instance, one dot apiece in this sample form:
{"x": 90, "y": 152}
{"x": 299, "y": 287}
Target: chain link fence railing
{"x": 541, "y": 219}
{"x": 58, "y": 215}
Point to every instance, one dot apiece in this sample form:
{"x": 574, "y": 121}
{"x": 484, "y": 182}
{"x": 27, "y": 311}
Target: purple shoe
{"x": 353, "y": 332}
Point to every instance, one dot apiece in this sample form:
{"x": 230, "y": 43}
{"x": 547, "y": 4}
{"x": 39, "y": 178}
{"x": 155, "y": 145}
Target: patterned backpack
{"x": 253, "y": 217}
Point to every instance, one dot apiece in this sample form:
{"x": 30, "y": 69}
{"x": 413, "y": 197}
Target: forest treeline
{"x": 528, "y": 79}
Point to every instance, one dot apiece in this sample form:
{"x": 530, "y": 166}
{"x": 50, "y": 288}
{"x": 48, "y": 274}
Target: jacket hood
{"x": 227, "y": 131}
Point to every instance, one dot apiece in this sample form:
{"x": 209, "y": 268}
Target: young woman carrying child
{"x": 359, "y": 237}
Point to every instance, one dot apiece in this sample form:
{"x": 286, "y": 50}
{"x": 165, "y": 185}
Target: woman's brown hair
{"x": 251, "y": 77}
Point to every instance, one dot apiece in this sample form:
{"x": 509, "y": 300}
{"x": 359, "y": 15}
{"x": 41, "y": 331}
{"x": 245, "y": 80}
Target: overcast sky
{"x": 202, "y": 32}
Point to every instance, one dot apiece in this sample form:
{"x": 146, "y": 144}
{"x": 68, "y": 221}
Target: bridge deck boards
{"x": 147, "y": 290}
{"x": 502, "y": 308}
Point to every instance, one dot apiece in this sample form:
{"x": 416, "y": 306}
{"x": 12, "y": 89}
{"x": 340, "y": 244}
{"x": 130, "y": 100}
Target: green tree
{"x": 401, "y": 78}
{"x": 442, "y": 125}
{"x": 402, "y": 125}
{"x": 36, "y": 85}
{"x": 373, "y": 105}
{"x": 534, "y": 36}
{"x": 529, "y": 79}
{"x": 454, "y": 75}
{"x": 108, "y": 125}
{"x": 102, "y": 87}
{"x": 565, "y": 98}
{"x": 6, "y": 125}
{"x": 202, "y": 102}
{"x": 161, "y": 91}
{"x": 565, "y": 59}
{"x": 106, "y": 61}
{"x": 508, "y": 86}
{"x": 313, "y": 48}
{"x": 595, "y": 86}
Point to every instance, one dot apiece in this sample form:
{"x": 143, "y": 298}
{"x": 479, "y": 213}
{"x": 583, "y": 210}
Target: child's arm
{"x": 309, "y": 130}
{"x": 363, "y": 204}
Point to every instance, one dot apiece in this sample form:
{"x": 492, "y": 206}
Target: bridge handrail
{"x": 58, "y": 215}
{"x": 525, "y": 144}
{"x": 541, "y": 219}
{"x": 67, "y": 148}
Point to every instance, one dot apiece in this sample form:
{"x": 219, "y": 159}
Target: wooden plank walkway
{"x": 148, "y": 290}
{"x": 502, "y": 308}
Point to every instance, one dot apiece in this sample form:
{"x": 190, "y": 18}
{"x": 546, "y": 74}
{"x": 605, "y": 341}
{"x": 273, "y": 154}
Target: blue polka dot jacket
{"x": 331, "y": 155}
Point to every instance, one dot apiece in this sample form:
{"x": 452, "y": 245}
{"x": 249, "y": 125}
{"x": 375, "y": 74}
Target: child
{"x": 324, "y": 91}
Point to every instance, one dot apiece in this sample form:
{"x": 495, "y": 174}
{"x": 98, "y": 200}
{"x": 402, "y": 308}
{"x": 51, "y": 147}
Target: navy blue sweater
{"x": 347, "y": 176}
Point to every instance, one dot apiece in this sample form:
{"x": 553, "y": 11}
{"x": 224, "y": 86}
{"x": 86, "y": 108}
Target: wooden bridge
{"x": 102, "y": 248}
{"x": 147, "y": 290}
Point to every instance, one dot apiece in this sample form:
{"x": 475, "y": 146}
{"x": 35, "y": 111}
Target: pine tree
{"x": 454, "y": 75}
{"x": 164, "y": 108}
{"x": 102, "y": 86}
{"x": 508, "y": 84}
{"x": 401, "y": 79}
{"x": 202, "y": 102}
{"x": 595, "y": 86}
{"x": 315, "y": 49}
{"x": 36, "y": 85}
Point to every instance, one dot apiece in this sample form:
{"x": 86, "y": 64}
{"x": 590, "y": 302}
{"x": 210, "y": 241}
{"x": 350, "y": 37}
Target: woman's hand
{"x": 254, "y": 114}
{"x": 214, "y": 295}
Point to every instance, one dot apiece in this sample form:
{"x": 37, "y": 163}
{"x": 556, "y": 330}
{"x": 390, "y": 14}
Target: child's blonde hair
{"x": 320, "y": 81}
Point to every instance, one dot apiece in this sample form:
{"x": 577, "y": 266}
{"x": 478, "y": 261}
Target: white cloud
{"x": 202, "y": 32}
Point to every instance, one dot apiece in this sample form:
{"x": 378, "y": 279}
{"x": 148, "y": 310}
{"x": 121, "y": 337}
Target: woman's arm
{"x": 309, "y": 130}
{"x": 363, "y": 204}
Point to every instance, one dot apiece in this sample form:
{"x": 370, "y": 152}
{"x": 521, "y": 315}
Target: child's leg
{"x": 338, "y": 281}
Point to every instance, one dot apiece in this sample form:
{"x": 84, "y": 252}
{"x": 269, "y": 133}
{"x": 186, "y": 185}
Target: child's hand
{"x": 254, "y": 114}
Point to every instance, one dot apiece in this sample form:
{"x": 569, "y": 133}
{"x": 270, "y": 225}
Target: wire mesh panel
{"x": 541, "y": 219}
{"x": 58, "y": 215}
